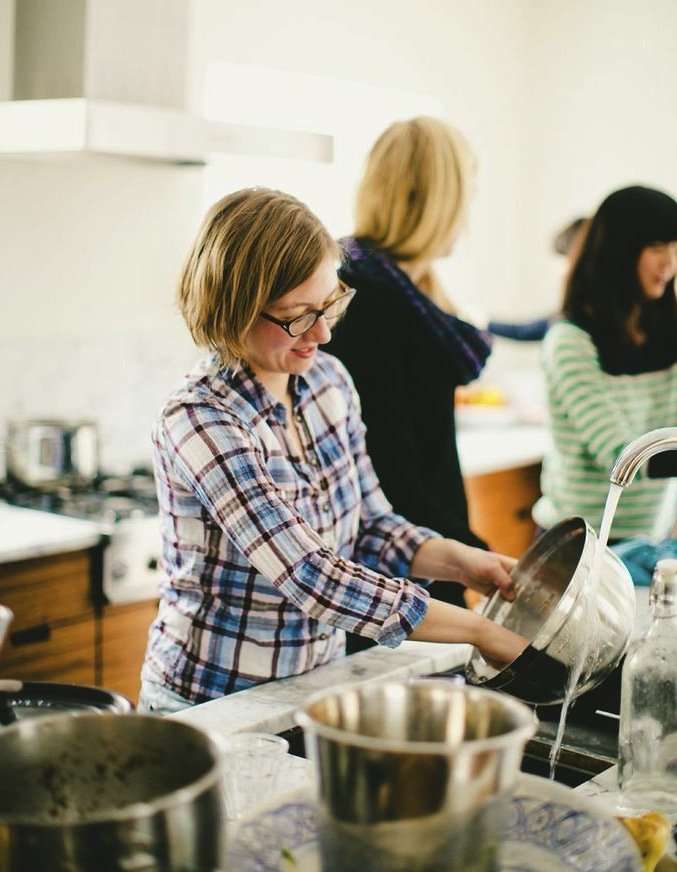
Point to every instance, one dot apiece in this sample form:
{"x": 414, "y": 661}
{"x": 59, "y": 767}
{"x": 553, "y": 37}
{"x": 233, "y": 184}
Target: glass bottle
{"x": 647, "y": 740}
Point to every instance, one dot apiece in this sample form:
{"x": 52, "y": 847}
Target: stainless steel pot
{"x": 413, "y": 774}
{"x": 109, "y": 792}
{"x": 550, "y": 611}
{"x": 46, "y": 453}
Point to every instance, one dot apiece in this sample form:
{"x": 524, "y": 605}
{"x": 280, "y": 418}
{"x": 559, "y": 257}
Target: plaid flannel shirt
{"x": 269, "y": 557}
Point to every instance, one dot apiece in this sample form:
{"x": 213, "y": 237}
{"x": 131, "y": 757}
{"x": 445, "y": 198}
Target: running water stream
{"x": 588, "y": 616}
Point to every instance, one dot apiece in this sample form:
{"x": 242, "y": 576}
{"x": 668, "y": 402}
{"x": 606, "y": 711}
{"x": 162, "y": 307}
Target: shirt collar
{"x": 239, "y": 377}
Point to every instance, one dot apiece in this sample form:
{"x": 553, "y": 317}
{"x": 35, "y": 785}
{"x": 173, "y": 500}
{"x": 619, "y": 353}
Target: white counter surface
{"x": 270, "y": 707}
{"x": 484, "y": 450}
{"x": 26, "y": 534}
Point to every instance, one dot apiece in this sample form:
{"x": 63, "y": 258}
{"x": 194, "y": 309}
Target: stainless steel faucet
{"x": 636, "y": 452}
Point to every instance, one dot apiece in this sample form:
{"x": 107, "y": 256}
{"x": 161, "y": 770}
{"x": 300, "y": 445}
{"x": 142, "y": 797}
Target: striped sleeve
{"x": 578, "y": 385}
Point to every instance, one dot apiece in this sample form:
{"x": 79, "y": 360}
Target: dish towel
{"x": 640, "y": 555}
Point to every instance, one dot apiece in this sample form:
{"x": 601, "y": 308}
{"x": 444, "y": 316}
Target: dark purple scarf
{"x": 460, "y": 347}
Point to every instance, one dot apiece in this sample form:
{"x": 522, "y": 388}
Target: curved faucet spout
{"x": 639, "y": 450}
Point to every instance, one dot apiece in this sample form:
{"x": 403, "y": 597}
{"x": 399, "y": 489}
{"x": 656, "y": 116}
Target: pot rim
{"x": 521, "y": 732}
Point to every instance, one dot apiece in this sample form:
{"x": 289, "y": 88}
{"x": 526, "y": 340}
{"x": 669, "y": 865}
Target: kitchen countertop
{"x": 26, "y": 534}
{"x": 490, "y": 449}
{"x": 270, "y": 707}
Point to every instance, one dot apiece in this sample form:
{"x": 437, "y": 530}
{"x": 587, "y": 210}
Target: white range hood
{"x": 95, "y": 77}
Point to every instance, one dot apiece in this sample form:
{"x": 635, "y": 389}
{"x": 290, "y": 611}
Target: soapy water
{"x": 592, "y": 641}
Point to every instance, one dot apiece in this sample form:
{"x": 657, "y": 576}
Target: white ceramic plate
{"x": 550, "y": 829}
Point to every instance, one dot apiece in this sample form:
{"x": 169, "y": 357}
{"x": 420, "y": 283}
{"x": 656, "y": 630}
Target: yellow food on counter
{"x": 651, "y": 832}
{"x": 480, "y": 395}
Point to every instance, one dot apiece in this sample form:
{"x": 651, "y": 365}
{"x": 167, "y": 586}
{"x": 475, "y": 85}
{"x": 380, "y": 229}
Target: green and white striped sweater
{"x": 592, "y": 416}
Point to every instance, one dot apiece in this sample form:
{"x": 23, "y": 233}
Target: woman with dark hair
{"x": 611, "y": 367}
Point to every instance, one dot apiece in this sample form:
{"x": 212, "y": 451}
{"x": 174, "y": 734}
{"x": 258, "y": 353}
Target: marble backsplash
{"x": 118, "y": 381}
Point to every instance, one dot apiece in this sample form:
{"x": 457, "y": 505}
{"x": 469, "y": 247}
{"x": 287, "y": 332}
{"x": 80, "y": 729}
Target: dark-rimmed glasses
{"x": 304, "y": 323}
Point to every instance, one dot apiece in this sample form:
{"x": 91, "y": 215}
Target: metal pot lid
{"x": 38, "y": 698}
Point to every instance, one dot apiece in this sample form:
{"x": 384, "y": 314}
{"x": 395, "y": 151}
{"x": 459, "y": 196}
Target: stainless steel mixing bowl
{"x": 560, "y": 625}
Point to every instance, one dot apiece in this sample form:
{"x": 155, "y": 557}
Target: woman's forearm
{"x": 444, "y": 622}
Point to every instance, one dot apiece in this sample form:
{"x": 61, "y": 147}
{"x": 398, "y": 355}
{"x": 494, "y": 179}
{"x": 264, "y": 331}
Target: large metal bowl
{"x": 109, "y": 792}
{"x": 560, "y": 624}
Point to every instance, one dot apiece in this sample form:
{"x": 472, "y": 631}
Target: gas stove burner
{"x": 132, "y": 486}
{"x": 111, "y": 499}
{"x": 106, "y": 508}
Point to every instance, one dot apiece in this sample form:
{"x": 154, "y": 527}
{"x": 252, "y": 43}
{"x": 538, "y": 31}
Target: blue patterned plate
{"x": 550, "y": 829}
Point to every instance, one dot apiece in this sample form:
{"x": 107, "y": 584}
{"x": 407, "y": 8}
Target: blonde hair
{"x": 253, "y": 247}
{"x": 413, "y": 196}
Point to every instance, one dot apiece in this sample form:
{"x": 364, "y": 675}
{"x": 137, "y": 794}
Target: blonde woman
{"x": 276, "y": 535}
{"x": 405, "y": 349}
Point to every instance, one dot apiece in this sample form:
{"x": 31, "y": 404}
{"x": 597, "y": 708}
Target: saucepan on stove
{"x": 50, "y": 452}
{"x": 572, "y": 626}
{"x": 33, "y": 699}
{"x": 109, "y": 792}
{"x": 30, "y": 699}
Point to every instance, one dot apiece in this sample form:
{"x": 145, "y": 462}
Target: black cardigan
{"x": 407, "y": 397}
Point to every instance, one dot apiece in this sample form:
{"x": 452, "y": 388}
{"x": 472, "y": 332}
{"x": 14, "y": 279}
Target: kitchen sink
{"x": 590, "y": 743}
{"x": 584, "y": 753}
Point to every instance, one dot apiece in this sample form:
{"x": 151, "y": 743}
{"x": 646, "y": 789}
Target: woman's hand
{"x": 483, "y": 571}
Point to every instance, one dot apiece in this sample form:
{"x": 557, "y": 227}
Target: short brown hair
{"x": 253, "y": 247}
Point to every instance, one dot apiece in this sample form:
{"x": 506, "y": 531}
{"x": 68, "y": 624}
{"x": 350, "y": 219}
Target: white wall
{"x": 563, "y": 100}
{"x": 603, "y": 86}
{"x": 468, "y": 54}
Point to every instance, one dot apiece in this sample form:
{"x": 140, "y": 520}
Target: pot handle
{"x": 6, "y": 616}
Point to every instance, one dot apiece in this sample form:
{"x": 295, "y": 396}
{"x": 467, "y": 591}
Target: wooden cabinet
{"x": 53, "y": 634}
{"x": 499, "y": 507}
{"x": 59, "y": 635}
{"x": 124, "y": 632}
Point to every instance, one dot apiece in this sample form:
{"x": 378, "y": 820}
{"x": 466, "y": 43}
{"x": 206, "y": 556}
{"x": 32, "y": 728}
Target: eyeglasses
{"x": 304, "y": 323}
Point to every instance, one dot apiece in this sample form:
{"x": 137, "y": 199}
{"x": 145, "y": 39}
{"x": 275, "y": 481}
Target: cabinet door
{"x": 47, "y": 590}
{"x": 63, "y": 652}
{"x": 53, "y": 634}
{"x": 499, "y": 507}
{"x": 124, "y": 634}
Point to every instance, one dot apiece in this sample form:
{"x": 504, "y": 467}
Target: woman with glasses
{"x": 404, "y": 347}
{"x": 276, "y": 535}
